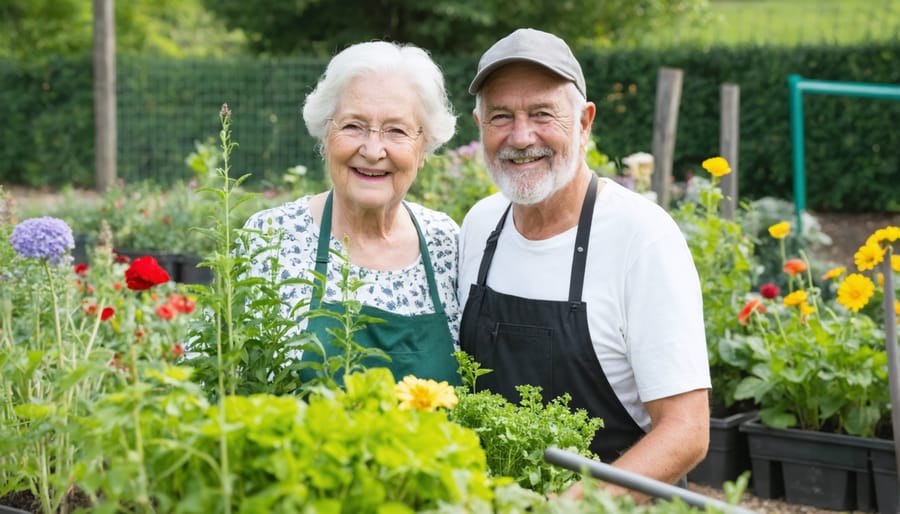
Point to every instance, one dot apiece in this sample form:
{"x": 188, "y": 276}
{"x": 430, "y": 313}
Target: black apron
{"x": 546, "y": 343}
{"x": 419, "y": 344}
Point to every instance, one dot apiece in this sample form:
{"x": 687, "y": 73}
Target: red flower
{"x": 165, "y": 312}
{"x": 181, "y": 303}
{"x": 124, "y": 259}
{"x": 794, "y": 266}
{"x": 769, "y": 290}
{"x": 177, "y": 350}
{"x": 145, "y": 273}
{"x": 81, "y": 269}
{"x": 754, "y": 305}
{"x": 107, "y": 313}
{"x": 91, "y": 309}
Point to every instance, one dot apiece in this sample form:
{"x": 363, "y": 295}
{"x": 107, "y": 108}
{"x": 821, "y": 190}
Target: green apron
{"x": 419, "y": 344}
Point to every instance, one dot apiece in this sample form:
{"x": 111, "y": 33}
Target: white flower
{"x": 640, "y": 165}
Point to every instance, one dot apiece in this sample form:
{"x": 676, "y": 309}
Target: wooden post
{"x": 729, "y": 144}
{"x": 665, "y": 123}
{"x": 104, "y": 95}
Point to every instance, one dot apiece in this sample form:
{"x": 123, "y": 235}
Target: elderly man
{"x": 574, "y": 283}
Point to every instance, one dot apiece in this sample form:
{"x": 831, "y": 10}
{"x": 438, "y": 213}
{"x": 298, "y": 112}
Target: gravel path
{"x": 766, "y": 506}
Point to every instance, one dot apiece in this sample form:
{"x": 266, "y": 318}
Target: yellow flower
{"x": 887, "y": 234}
{"x": 855, "y": 291}
{"x": 717, "y": 166}
{"x": 868, "y": 256}
{"x": 780, "y": 230}
{"x": 427, "y": 395}
{"x": 895, "y": 263}
{"x": 806, "y": 308}
{"x": 834, "y": 273}
{"x": 794, "y": 299}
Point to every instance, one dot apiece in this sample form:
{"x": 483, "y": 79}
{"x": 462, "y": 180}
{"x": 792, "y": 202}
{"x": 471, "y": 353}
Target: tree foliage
{"x": 322, "y": 27}
{"x": 32, "y": 29}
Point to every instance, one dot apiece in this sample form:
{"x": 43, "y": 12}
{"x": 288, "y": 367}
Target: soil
{"x": 849, "y": 231}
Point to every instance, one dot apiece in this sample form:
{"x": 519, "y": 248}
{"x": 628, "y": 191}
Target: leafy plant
{"x": 764, "y": 212}
{"x": 817, "y": 364}
{"x": 723, "y": 256}
{"x": 514, "y": 437}
{"x": 69, "y": 335}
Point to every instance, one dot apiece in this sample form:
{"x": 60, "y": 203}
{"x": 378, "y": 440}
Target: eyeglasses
{"x": 393, "y": 133}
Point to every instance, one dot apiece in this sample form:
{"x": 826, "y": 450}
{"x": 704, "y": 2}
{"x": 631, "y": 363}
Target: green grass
{"x": 785, "y": 23}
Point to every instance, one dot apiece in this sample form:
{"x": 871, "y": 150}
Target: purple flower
{"x": 43, "y": 238}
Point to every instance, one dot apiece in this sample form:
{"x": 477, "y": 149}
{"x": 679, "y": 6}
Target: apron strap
{"x": 426, "y": 261}
{"x": 582, "y": 238}
{"x": 322, "y": 252}
{"x": 324, "y": 243}
{"x": 489, "y": 247}
{"x": 579, "y": 258}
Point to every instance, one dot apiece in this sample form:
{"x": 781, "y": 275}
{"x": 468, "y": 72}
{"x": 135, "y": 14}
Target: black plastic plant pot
{"x": 820, "y": 469}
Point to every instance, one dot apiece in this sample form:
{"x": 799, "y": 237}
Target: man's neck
{"x": 556, "y": 214}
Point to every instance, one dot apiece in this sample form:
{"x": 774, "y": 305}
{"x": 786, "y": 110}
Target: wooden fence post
{"x": 104, "y": 95}
{"x": 729, "y": 144}
{"x": 665, "y": 124}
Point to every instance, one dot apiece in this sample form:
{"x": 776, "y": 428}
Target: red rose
{"x": 769, "y": 290}
{"x": 145, "y": 273}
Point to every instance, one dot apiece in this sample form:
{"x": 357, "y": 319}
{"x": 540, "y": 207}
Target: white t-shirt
{"x": 644, "y": 304}
{"x": 403, "y": 291}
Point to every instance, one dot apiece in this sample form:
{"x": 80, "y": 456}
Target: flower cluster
{"x": 818, "y": 364}
{"x": 43, "y": 238}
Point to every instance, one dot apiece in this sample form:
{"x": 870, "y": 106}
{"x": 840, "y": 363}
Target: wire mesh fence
{"x": 166, "y": 107}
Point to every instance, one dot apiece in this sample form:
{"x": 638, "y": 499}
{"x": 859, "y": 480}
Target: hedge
{"x": 166, "y": 106}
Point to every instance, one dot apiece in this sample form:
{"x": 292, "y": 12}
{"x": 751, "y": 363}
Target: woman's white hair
{"x": 408, "y": 61}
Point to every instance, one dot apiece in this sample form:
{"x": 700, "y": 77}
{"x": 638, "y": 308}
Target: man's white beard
{"x": 522, "y": 188}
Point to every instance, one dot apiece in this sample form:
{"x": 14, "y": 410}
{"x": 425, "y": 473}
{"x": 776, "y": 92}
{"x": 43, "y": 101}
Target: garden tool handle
{"x": 635, "y": 482}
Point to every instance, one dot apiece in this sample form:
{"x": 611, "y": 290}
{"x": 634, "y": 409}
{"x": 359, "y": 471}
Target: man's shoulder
{"x": 486, "y": 211}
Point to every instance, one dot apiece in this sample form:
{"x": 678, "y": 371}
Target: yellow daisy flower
{"x": 794, "y": 299}
{"x": 895, "y": 263}
{"x": 780, "y": 230}
{"x": 887, "y": 234}
{"x": 855, "y": 291}
{"x": 806, "y": 308}
{"x": 422, "y": 394}
{"x": 717, "y": 166}
{"x": 868, "y": 256}
{"x": 834, "y": 273}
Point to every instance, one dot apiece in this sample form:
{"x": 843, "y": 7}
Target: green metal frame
{"x": 797, "y": 85}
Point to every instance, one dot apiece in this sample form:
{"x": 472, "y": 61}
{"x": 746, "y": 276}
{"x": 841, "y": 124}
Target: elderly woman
{"x": 378, "y": 111}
